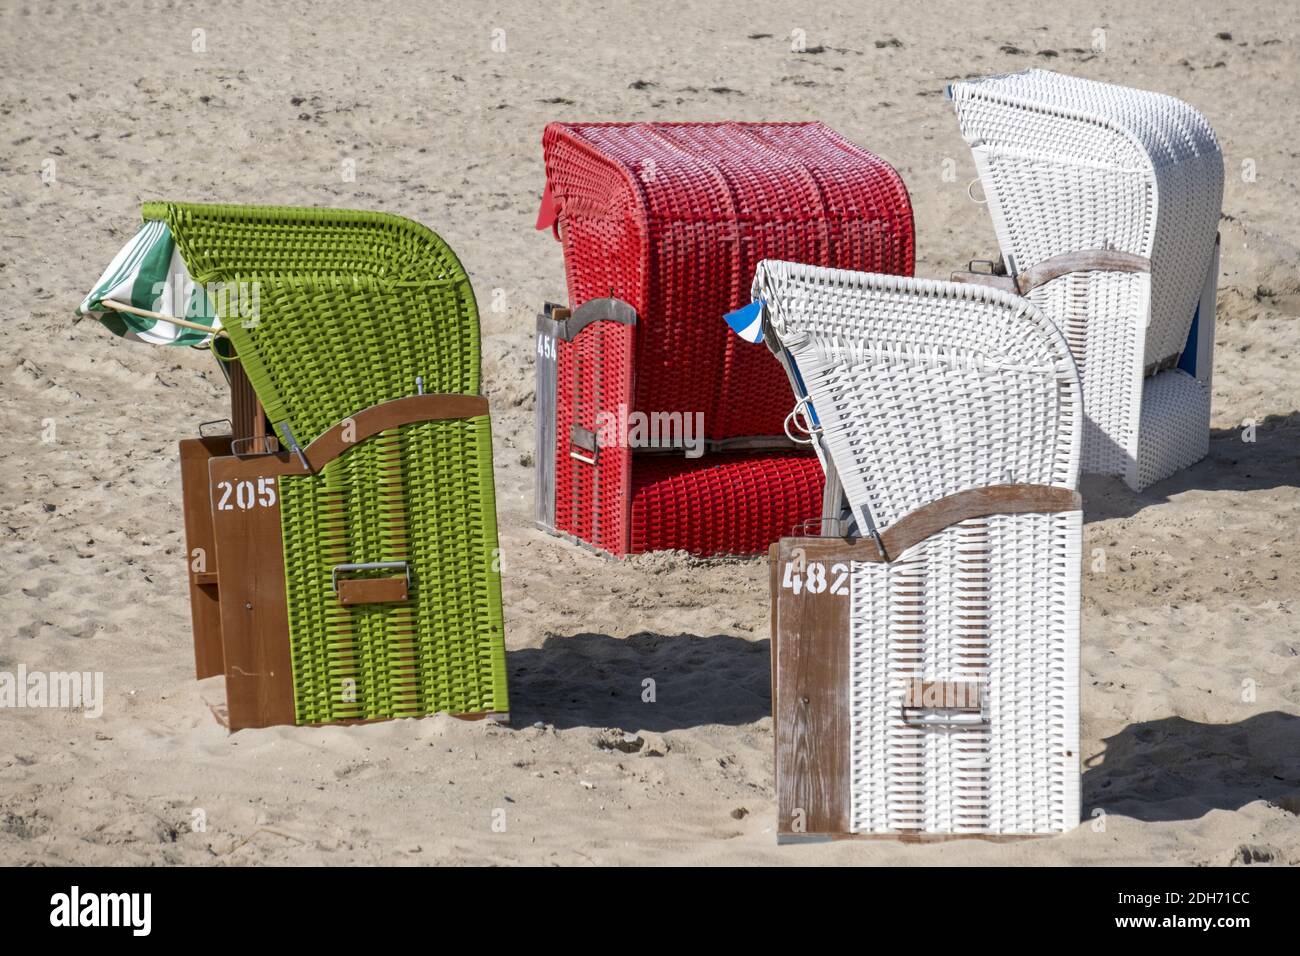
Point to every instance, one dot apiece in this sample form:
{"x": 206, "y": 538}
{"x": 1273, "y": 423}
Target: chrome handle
{"x": 370, "y": 566}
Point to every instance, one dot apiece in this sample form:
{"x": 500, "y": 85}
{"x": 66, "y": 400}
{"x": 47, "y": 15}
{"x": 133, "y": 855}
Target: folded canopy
{"x": 149, "y": 276}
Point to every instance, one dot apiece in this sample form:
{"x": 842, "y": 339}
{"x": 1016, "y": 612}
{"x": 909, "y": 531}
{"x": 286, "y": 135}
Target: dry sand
{"x": 1198, "y": 593}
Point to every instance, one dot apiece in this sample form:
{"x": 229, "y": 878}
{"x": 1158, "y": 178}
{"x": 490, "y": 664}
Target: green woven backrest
{"x": 350, "y": 306}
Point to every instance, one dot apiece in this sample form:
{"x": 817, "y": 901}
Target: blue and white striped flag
{"x": 747, "y": 321}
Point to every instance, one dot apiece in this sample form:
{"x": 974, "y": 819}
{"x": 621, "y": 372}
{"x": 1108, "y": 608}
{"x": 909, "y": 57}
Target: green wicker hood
{"x": 331, "y": 311}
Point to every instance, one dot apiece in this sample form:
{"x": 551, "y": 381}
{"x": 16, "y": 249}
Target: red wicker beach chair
{"x": 662, "y": 225}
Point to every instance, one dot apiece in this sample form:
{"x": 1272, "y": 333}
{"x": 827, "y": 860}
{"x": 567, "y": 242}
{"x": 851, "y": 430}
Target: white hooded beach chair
{"x": 1106, "y": 203}
{"x": 926, "y": 675}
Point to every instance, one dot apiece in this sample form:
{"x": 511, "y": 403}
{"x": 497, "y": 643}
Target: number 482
{"x": 814, "y": 578}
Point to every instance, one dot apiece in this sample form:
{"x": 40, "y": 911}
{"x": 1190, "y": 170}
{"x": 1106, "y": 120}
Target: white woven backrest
{"x": 1069, "y": 164}
{"x": 926, "y": 388}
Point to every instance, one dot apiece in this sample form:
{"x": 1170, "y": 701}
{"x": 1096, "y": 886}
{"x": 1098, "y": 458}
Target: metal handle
{"x": 967, "y": 698}
{"x": 585, "y": 439}
{"x": 287, "y": 429}
{"x": 215, "y": 421}
{"x": 956, "y": 720}
{"x": 370, "y": 566}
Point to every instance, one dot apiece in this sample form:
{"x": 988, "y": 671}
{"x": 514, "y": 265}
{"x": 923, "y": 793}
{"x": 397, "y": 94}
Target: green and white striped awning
{"x": 148, "y": 275}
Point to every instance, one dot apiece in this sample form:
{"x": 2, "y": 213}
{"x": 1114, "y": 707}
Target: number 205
{"x": 244, "y": 495}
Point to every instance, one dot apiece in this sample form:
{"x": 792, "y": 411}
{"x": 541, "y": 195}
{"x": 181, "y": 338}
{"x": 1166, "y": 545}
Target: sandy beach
{"x": 1190, "y": 652}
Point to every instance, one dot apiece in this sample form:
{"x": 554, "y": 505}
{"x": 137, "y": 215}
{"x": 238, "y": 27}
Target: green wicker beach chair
{"x": 359, "y": 333}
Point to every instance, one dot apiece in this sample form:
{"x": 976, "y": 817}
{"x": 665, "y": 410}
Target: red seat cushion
{"x": 733, "y": 503}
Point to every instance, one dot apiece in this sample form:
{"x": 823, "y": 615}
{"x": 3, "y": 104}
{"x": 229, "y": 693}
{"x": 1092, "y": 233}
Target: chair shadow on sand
{"x": 1272, "y": 460}
{"x": 1177, "y": 769}
{"x": 1159, "y": 770}
{"x": 595, "y": 680}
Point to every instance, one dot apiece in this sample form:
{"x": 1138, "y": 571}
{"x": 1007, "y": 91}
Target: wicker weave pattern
{"x": 1070, "y": 164}
{"x": 1095, "y": 310}
{"x": 1174, "y": 428}
{"x": 420, "y": 493}
{"x": 352, "y": 305}
{"x": 723, "y": 504}
{"x": 925, "y": 389}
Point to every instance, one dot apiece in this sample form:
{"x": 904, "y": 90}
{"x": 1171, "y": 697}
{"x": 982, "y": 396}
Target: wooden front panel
{"x": 254, "y": 610}
{"x": 810, "y": 702}
{"x": 201, "y": 552}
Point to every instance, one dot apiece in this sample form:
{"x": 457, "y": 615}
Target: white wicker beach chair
{"x": 1106, "y": 203}
{"x": 951, "y": 414}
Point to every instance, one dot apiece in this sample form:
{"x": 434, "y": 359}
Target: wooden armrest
{"x": 915, "y": 526}
{"x": 354, "y": 430}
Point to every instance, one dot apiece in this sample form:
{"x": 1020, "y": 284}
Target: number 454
{"x": 814, "y": 578}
